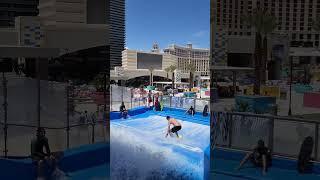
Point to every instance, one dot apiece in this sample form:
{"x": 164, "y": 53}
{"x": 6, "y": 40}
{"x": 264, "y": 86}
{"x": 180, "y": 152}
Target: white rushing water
{"x": 139, "y": 150}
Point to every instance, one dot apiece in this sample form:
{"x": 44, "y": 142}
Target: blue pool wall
{"x": 179, "y": 114}
{"x": 237, "y": 156}
{"x": 207, "y": 161}
{"x": 75, "y": 159}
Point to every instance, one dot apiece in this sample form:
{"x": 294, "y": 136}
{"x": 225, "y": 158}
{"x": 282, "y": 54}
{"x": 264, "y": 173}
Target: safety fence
{"x": 29, "y": 103}
{"x": 131, "y": 99}
{"x": 283, "y": 135}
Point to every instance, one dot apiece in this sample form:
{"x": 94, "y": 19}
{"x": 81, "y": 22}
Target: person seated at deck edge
{"x": 304, "y": 160}
{"x": 37, "y": 154}
{"x": 123, "y": 111}
{"x": 176, "y": 126}
{"x": 205, "y": 110}
{"x": 191, "y": 111}
{"x": 260, "y": 157}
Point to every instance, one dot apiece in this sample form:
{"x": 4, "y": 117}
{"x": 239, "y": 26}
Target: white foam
{"x": 139, "y": 150}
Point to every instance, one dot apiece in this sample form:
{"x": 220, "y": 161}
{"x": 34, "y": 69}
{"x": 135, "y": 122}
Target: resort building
{"x": 135, "y": 60}
{"x": 189, "y": 55}
{"x": 233, "y": 41}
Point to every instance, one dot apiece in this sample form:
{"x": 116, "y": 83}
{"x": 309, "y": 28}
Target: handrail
{"x": 267, "y": 116}
{"x": 55, "y": 128}
{"x": 67, "y": 128}
{"x": 228, "y": 120}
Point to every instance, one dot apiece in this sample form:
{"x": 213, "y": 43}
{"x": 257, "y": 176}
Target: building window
{"x": 309, "y": 36}
{"x": 301, "y": 36}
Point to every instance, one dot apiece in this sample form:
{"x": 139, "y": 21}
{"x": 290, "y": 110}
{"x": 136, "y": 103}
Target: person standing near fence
{"x": 149, "y": 98}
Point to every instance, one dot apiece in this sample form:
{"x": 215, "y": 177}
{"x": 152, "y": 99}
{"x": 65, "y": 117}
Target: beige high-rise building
{"x": 186, "y": 55}
{"x": 294, "y": 17}
{"x": 135, "y": 60}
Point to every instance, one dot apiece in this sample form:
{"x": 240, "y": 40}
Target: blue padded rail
{"x": 84, "y": 157}
{"x": 142, "y": 112}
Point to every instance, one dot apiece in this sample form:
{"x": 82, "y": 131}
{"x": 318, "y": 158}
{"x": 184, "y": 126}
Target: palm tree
{"x": 191, "y": 68}
{"x": 167, "y": 71}
{"x": 264, "y": 24}
{"x": 151, "y": 69}
{"x": 172, "y": 69}
{"x": 270, "y": 24}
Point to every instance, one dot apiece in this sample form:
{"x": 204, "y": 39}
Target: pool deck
{"x": 225, "y": 162}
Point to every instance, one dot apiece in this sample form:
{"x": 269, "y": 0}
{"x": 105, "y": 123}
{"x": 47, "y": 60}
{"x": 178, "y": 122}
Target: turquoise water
{"x": 139, "y": 149}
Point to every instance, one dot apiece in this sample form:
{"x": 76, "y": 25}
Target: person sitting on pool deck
{"x": 123, "y": 111}
{"x": 41, "y": 158}
{"x": 260, "y": 157}
{"x": 191, "y": 111}
{"x": 304, "y": 161}
{"x": 205, "y": 110}
{"x": 176, "y": 126}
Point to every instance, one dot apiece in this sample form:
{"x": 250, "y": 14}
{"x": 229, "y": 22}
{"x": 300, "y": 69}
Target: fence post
{"x": 131, "y": 98}
{"x": 229, "y": 118}
{"x": 170, "y": 100}
{"x": 122, "y": 90}
{"x": 38, "y": 92}
{"x": 5, "y": 106}
{"x": 68, "y": 120}
{"x": 271, "y": 133}
{"x": 92, "y": 136}
{"x": 316, "y": 142}
{"x": 194, "y": 103}
{"x": 110, "y": 97}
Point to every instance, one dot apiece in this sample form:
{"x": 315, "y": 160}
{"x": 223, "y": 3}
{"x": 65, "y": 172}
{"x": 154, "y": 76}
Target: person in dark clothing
{"x": 205, "y": 110}
{"x": 260, "y": 157}
{"x": 123, "y": 111}
{"x": 191, "y": 111}
{"x": 157, "y": 106}
{"x": 38, "y": 155}
{"x": 304, "y": 160}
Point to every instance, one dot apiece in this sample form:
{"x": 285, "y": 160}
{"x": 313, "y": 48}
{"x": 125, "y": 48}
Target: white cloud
{"x": 200, "y": 33}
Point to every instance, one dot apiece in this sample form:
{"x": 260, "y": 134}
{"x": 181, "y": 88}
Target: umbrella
{"x": 150, "y": 88}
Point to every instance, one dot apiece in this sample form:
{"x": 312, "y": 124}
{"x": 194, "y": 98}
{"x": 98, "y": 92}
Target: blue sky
{"x": 167, "y": 22}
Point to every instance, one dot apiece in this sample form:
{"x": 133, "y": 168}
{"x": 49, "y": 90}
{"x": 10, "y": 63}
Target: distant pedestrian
{"x": 205, "y": 110}
{"x": 123, "y": 111}
{"x": 191, "y": 111}
{"x": 304, "y": 160}
{"x": 149, "y": 98}
{"x": 86, "y": 117}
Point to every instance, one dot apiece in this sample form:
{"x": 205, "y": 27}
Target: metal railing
{"x": 283, "y": 135}
{"x": 19, "y": 136}
{"x": 124, "y": 94}
{"x": 27, "y": 107}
